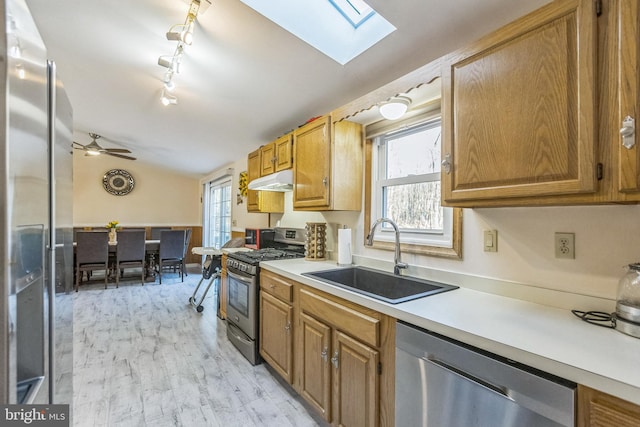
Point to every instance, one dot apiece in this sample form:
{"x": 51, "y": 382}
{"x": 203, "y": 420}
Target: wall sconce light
{"x": 168, "y": 99}
{"x": 395, "y": 107}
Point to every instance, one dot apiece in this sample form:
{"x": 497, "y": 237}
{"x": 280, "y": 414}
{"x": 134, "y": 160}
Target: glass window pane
{"x": 414, "y": 206}
{"x": 219, "y": 223}
{"x": 414, "y": 154}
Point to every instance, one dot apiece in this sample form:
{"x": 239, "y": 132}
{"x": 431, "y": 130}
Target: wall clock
{"x": 118, "y": 182}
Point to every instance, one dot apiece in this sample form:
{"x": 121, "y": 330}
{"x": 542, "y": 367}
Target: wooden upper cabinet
{"x": 328, "y": 165}
{"x": 519, "y": 110}
{"x": 284, "y": 152}
{"x": 253, "y": 172}
{"x": 261, "y": 201}
{"x": 277, "y": 155}
{"x": 268, "y": 159}
{"x": 627, "y": 16}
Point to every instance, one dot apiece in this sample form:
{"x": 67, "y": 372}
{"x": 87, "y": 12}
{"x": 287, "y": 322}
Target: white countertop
{"x": 546, "y": 338}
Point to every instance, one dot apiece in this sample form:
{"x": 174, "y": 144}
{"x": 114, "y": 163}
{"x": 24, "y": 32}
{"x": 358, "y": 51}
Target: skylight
{"x": 355, "y": 11}
{"x": 341, "y": 29}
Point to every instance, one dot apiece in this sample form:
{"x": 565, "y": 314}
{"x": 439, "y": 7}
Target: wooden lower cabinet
{"x": 275, "y": 334}
{"x": 598, "y": 409}
{"x": 343, "y": 354}
{"x": 356, "y": 385}
{"x": 315, "y": 373}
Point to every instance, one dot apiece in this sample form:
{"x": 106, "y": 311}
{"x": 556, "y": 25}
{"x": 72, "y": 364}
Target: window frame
{"x": 410, "y": 242}
{"x": 220, "y": 183}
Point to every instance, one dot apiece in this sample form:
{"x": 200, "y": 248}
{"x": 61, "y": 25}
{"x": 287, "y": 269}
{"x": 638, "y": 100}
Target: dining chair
{"x": 133, "y": 229}
{"x": 156, "y": 231}
{"x": 171, "y": 252}
{"x": 187, "y": 240}
{"x": 130, "y": 253}
{"x": 92, "y": 253}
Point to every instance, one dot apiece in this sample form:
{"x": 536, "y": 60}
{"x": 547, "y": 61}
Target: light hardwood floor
{"x": 144, "y": 357}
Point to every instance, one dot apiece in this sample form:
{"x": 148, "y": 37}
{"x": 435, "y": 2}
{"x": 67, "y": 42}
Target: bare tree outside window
{"x": 409, "y": 181}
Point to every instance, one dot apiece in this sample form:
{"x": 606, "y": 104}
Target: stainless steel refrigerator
{"x": 36, "y": 248}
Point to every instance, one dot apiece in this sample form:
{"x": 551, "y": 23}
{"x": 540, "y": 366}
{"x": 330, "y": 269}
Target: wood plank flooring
{"x": 144, "y": 357}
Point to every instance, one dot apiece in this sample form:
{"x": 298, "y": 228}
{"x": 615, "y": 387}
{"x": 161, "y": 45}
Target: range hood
{"x": 279, "y": 181}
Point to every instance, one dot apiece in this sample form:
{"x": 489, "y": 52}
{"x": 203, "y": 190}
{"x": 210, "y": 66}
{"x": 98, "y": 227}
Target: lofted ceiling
{"x": 243, "y": 82}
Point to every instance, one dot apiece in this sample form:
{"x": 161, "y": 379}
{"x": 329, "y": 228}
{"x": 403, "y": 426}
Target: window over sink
{"x": 404, "y": 185}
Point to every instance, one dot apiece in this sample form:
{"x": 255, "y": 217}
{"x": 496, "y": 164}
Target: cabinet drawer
{"x": 276, "y": 286}
{"x": 353, "y": 322}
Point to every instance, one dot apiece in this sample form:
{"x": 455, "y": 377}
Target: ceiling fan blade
{"x": 122, "y": 156}
{"x": 116, "y": 150}
{"x": 80, "y": 145}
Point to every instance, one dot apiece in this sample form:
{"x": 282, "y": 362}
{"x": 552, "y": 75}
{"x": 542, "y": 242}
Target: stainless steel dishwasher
{"x": 444, "y": 383}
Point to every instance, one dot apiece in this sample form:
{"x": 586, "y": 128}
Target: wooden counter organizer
{"x": 315, "y": 246}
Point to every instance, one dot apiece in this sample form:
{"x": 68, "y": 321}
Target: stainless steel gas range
{"x": 243, "y": 275}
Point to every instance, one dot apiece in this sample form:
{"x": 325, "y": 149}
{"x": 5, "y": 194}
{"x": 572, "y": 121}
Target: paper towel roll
{"x": 344, "y": 246}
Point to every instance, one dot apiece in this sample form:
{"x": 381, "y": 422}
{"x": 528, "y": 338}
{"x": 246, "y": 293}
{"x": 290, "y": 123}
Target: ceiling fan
{"x": 94, "y": 149}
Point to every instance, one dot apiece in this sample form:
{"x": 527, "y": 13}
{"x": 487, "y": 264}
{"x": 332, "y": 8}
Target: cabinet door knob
{"x": 325, "y": 354}
{"x": 325, "y": 181}
{"x": 288, "y": 327}
{"x": 334, "y": 359}
{"x": 628, "y": 131}
{"x": 446, "y": 164}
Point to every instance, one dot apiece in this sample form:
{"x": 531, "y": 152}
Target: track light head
{"x": 182, "y": 33}
{"x": 168, "y": 99}
{"x": 170, "y": 62}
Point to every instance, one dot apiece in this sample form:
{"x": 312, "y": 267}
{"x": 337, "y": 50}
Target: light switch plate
{"x": 491, "y": 240}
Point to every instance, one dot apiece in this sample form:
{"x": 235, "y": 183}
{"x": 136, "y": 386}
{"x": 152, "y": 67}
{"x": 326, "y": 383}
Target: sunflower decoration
{"x": 243, "y": 184}
{"x": 112, "y": 225}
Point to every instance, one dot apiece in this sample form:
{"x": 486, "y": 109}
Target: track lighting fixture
{"x": 183, "y": 34}
{"x": 168, "y": 99}
{"x": 395, "y": 107}
{"x": 170, "y": 62}
{"x": 16, "y": 50}
{"x": 21, "y": 71}
{"x": 168, "y": 81}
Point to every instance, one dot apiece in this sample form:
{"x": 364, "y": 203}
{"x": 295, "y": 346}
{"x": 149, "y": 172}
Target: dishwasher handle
{"x": 502, "y": 391}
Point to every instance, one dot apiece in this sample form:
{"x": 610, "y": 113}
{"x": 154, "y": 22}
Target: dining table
{"x": 152, "y": 247}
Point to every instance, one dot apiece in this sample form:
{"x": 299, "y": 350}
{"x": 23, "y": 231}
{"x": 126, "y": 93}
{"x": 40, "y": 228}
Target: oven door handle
{"x": 243, "y": 279}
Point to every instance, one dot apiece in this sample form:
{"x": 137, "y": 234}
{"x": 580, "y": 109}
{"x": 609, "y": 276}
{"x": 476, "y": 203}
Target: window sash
{"x": 218, "y": 212}
{"x": 428, "y": 237}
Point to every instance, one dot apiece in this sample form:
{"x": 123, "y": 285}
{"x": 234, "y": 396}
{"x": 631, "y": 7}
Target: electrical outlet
{"x": 565, "y": 245}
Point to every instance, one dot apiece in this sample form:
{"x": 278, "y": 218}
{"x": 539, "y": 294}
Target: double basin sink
{"x": 381, "y": 285}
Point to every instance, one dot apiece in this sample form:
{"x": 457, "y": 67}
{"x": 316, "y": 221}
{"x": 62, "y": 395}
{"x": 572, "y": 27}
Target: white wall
{"x": 158, "y": 198}
{"x": 607, "y": 240}
{"x": 241, "y": 219}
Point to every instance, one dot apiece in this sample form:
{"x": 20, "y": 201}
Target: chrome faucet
{"x": 397, "y": 256}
